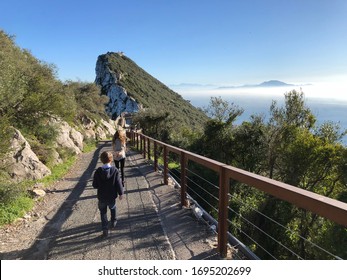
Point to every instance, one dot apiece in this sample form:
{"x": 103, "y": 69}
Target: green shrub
{"x": 16, "y": 208}
{"x": 10, "y": 191}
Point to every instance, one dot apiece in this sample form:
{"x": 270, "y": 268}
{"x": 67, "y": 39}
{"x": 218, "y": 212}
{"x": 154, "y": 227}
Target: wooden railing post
{"x": 137, "y": 141}
{"x": 144, "y": 146}
{"x": 141, "y": 141}
{"x": 223, "y": 212}
{"x": 166, "y": 166}
{"x": 148, "y": 149}
{"x": 155, "y": 157}
{"x": 184, "y": 201}
{"x": 130, "y": 134}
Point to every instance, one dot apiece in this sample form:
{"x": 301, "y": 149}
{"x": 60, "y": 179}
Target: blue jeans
{"x": 111, "y": 204}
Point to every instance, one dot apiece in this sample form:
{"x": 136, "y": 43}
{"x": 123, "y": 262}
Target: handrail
{"x": 331, "y": 209}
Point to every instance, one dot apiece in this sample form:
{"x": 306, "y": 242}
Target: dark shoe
{"x": 105, "y": 233}
{"x": 113, "y": 223}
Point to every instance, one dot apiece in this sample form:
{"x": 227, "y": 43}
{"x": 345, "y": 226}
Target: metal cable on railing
{"x": 262, "y": 231}
{"x": 278, "y": 224}
{"x": 201, "y": 198}
{"x": 177, "y": 179}
{"x": 197, "y": 175}
{"x": 242, "y": 252}
{"x": 254, "y": 241}
{"x": 243, "y": 218}
{"x": 205, "y": 191}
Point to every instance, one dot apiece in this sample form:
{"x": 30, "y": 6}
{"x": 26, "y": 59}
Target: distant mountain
{"x": 274, "y": 83}
{"x": 271, "y": 83}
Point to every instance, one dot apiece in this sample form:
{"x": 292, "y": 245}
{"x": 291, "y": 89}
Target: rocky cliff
{"x": 109, "y": 80}
{"x": 131, "y": 88}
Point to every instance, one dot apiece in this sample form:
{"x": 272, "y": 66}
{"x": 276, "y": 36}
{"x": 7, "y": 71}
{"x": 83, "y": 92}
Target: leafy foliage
{"x": 88, "y": 98}
{"x": 155, "y": 124}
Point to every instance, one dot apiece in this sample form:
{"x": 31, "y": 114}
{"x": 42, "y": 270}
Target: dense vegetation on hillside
{"x": 30, "y": 95}
{"x": 157, "y": 99}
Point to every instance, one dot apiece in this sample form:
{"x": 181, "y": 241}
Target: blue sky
{"x": 188, "y": 41}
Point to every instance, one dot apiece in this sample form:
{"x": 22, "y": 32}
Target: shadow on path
{"x": 51, "y": 231}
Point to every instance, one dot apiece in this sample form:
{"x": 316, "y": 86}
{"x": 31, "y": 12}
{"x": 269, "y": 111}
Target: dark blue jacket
{"x": 108, "y": 183}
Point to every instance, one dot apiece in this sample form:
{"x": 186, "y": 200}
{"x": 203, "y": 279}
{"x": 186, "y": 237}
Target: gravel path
{"x": 65, "y": 224}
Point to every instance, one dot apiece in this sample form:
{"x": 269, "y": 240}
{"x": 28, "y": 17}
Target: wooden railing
{"x": 331, "y": 209}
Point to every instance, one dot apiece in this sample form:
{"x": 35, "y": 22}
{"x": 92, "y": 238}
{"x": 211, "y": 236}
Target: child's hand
{"x": 120, "y": 197}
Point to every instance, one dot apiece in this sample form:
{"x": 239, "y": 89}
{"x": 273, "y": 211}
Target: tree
{"x": 87, "y": 97}
{"x": 312, "y": 161}
{"x": 157, "y": 124}
{"x": 283, "y": 124}
{"x": 222, "y": 110}
{"x": 249, "y": 147}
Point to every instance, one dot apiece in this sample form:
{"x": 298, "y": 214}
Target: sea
{"x": 327, "y": 104}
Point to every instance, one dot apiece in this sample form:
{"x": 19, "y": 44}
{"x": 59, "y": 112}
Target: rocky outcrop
{"x": 101, "y": 130}
{"x": 119, "y": 100}
{"x": 68, "y": 137}
{"x": 21, "y": 162}
{"x": 108, "y": 127}
{"x": 88, "y": 126}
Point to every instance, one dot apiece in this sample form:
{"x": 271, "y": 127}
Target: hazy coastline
{"x": 326, "y": 107}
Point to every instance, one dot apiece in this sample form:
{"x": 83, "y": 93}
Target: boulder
{"x": 108, "y": 127}
{"x": 67, "y": 136}
{"x": 100, "y": 133}
{"x": 56, "y": 159}
{"x": 36, "y": 192}
{"x": 21, "y": 162}
{"x": 77, "y": 138}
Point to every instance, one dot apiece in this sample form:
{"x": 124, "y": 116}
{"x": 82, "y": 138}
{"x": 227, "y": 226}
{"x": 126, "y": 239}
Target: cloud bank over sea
{"x": 327, "y": 101}
{"x": 329, "y": 91}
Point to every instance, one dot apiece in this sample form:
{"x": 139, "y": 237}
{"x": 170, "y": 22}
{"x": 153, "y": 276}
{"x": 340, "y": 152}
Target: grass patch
{"x": 9, "y": 212}
{"x": 89, "y": 146}
{"x": 58, "y": 171}
{"x": 171, "y": 165}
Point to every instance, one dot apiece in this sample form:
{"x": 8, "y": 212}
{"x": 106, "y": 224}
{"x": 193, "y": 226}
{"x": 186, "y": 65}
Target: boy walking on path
{"x": 109, "y": 185}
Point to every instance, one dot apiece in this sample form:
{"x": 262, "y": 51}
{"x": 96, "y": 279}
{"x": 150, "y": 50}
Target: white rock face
{"x": 119, "y": 100}
{"x": 77, "y": 138}
{"x": 88, "y": 127}
{"x": 69, "y": 137}
{"x": 101, "y": 131}
{"x": 21, "y": 162}
{"x": 108, "y": 127}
